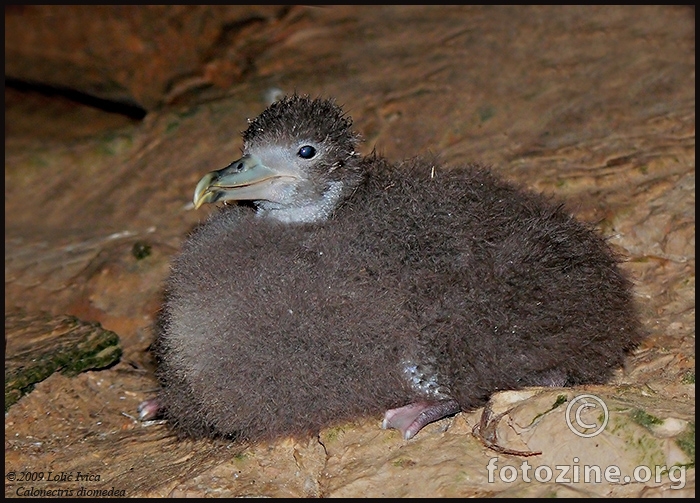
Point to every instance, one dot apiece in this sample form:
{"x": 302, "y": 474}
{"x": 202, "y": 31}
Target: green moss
{"x": 645, "y": 448}
{"x": 561, "y": 399}
{"x": 688, "y": 377}
{"x": 644, "y": 419}
{"x": 649, "y": 449}
{"x": 403, "y": 463}
{"x": 141, "y": 250}
{"x": 614, "y": 425}
{"x": 332, "y": 434}
{"x": 76, "y": 347}
{"x": 601, "y": 418}
{"x": 686, "y": 441}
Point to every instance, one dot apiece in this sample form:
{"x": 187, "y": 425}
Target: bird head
{"x": 299, "y": 162}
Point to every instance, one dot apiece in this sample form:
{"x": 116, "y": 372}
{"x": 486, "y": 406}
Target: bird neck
{"x": 305, "y": 211}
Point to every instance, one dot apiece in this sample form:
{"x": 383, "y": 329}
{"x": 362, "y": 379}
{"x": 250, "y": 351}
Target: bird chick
{"x": 347, "y": 287}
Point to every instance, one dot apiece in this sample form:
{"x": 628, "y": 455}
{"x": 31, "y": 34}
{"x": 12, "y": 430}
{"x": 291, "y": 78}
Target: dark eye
{"x": 306, "y": 152}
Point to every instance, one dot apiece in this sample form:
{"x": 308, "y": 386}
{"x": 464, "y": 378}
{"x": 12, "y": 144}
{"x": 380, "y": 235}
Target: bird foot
{"x": 150, "y": 409}
{"x": 411, "y": 418}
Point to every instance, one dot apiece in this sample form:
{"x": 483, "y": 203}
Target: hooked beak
{"x": 245, "y": 179}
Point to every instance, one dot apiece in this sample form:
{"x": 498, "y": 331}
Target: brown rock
{"x": 133, "y": 54}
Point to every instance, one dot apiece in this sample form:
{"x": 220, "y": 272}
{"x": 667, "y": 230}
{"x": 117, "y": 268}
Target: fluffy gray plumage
{"x": 421, "y": 285}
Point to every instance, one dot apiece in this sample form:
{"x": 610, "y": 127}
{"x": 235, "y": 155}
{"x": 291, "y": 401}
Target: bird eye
{"x": 306, "y": 152}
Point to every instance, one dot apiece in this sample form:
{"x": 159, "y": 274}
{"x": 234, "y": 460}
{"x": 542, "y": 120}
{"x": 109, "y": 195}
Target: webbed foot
{"x": 411, "y": 418}
{"x": 150, "y": 409}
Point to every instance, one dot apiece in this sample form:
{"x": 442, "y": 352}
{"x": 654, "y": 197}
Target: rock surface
{"x": 38, "y": 345}
{"x": 595, "y": 105}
